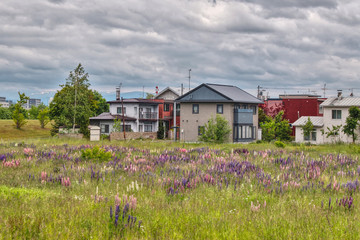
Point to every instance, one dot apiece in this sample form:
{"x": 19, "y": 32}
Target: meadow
{"x": 32, "y": 130}
{"x": 72, "y": 189}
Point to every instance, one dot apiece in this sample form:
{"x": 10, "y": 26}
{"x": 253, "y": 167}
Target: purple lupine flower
{"x": 116, "y": 220}
{"x": 329, "y": 202}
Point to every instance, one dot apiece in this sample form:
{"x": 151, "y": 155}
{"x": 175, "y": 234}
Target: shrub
{"x": 217, "y": 130}
{"x": 96, "y": 153}
{"x": 279, "y": 144}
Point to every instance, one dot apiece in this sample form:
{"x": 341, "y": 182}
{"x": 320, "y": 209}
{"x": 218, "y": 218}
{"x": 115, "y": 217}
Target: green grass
{"x": 30, "y": 131}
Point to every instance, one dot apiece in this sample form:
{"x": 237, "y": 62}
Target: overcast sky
{"x": 291, "y": 46}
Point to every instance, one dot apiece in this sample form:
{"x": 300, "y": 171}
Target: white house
{"x": 336, "y": 110}
{"x": 140, "y": 115}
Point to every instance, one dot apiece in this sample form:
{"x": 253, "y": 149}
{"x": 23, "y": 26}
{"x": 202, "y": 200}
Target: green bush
{"x": 96, "y": 153}
{"x": 279, "y": 144}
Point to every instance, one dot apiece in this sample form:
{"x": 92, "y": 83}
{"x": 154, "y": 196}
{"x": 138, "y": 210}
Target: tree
{"x": 333, "y": 132}
{"x": 117, "y": 127}
{"x": 74, "y": 104}
{"x": 34, "y": 111}
{"x": 17, "y": 116}
{"x": 217, "y": 130}
{"x": 352, "y": 122}
{"x": 102, "y": 105}
{"x": 149, "y": 96}
{"x": 308, "y": 128}
{"x": 43, "y": 117}
{"x": 161, "y": 130}
{"x": 276, "y": 128}
{"x": 5, "y": 113}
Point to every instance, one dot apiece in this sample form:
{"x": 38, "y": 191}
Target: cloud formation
{"x": 292, "y": 44}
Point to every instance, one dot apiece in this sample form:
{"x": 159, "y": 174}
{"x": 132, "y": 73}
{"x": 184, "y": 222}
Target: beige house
{"x": 238, "y": 107}
{"x": 336, "y": 110}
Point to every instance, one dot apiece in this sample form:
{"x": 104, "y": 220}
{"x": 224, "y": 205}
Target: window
{"x": 195, "y": 109}
{"x": 166, "y": 107}
{"x": 336, "y": 114}
{"x": 219, "y": 109}
{"x": 127, "y": 128}
{"x": 321, "y": 110}
{"x": 135, "y": 110}
{"x": 104, "y": 128}
{"x": 119, "y": 110}
{"x": 148, "y": 128}
{"x": 254, "y": 109}
{"x": 243, "y": 132}
{"x": 313, "y": 136}
{"x": 201, "y": 130}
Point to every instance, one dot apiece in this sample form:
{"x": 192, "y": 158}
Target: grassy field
{"x": 74, "y": 189}
{"x": 31, "y": 130}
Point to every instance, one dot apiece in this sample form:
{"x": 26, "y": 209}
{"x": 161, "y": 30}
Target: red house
{"x": 294, "y": 106}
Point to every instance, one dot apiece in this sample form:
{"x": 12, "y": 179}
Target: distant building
{"x": 4, "y": 103}
{"x": 32, "y": 102}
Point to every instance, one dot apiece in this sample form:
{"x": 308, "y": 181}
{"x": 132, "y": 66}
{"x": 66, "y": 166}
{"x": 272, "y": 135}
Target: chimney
{"x": 339, "y": 95}
{"x": 182, "y": 89}
{"x": 118, "y": 94}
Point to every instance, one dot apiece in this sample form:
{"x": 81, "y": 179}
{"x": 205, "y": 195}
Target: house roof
{"x": 316, "y": 121}
{"x": 165, "y": 90}
{"x": 342, "y": 102}
{"x": 226, "y": 93}
{"x": 136, "y": 100}
{"x": 111, "y": 117}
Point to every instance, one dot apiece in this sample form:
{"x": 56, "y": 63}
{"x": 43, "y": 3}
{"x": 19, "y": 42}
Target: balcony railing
{"x": 148, "y": 115}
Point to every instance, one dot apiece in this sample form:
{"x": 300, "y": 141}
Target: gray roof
{"x": 316, "y": 121}
{"x": 343, "y": 102}
{"x": 230, "y": 94}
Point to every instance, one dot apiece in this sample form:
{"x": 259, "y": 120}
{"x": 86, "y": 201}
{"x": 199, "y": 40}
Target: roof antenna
{"x": 189, "y": 78}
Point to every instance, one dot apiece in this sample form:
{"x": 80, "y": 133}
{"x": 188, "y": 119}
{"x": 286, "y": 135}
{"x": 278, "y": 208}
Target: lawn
{"x": 30, "y": 131}
{"x": 74, "y": 189}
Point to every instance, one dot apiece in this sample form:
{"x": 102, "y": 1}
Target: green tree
{"x": 43, "y": 117}
{"x": 102, "y": 105}
{"x": 34, "y": 111}
{"x": 352, "y": 122}
{"x": 5, "y": 113}
{"x": 18, "y": 116}
{"x": 308, "y": 128}
{"x": 149, "y": 96}
{"x": 333, "y": 132}
{"x": 161, "y": 130}
{"x": 276, "y": 128}
{"x": 216, "y": 130}
{"x": 117, "y": 127}
{"x": 74, "y": 104}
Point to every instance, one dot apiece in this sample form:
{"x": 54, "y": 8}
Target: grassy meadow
{"x": 74, "y": 189}
{"x": 31, "y": 130}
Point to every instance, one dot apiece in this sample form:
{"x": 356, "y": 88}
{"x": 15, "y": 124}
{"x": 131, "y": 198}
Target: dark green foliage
{"x": 352, "y": 122}
{"x": 5, "y": 113}
{"x": 34, "y": 111}
{"x": 96, "y": 154}
{"x": 117, "y": 125}
{"x": 277, "y": 128}
{"x": 149, "y": 96}
{"x": 161, "y": 130}
{"x": 216, "y": 131}
{"x": 62, "y": 108}
{"x": 18, "y": 116}
{"x": 102, "y": 105}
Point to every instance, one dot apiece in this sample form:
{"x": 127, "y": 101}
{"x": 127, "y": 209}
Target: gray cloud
{"x": 294, "y": 44}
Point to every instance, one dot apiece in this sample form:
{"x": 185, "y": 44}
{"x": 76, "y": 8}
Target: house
{"x": 139, "y": 115}
{"x": 335, "y": 112}
{"x": 294, "y": 106}
{"x": 166, "y": 98}
{"x": 238, "y": 107}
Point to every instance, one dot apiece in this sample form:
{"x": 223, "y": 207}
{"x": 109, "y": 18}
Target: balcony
{"x": 148, "y": 115}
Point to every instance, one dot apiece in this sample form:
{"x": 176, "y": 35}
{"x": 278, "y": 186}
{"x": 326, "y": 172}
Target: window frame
{"x": 193, "y": 108}
{"x": 222, "y": 108}
{"x": 119, "y": 110}
{"x": 336, "y": 114}
{"x": 166, "y": 107}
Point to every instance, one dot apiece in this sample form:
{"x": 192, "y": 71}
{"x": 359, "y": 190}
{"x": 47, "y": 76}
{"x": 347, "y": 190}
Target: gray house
{"x": 238, "y": 107}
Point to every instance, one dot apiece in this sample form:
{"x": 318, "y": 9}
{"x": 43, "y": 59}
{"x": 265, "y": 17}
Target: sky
{"x": 283, "y": 46}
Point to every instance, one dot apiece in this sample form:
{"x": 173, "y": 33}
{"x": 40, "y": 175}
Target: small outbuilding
{"x": 94, "y": 133}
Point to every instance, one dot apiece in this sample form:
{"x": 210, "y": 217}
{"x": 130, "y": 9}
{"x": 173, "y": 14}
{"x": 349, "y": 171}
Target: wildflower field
{"x": 141, "y": 190}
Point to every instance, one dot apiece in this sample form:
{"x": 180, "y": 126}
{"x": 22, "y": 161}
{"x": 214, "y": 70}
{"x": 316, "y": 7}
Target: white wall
{"x": 299, "y": 136}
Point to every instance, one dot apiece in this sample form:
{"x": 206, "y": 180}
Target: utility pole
{"x": 324, "y": 88}
{"x": 75, "y": 85}
{"x": 123, "y": 118}
{"x": 189, "y": 78}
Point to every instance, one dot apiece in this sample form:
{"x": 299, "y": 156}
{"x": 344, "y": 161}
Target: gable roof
{"x": 343, "y": 102}
{"x": 136, "y": 100}
{"x": 165, "y": 90}
{"x": 218, "y": 93}
{"x": 316, "y": 121}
